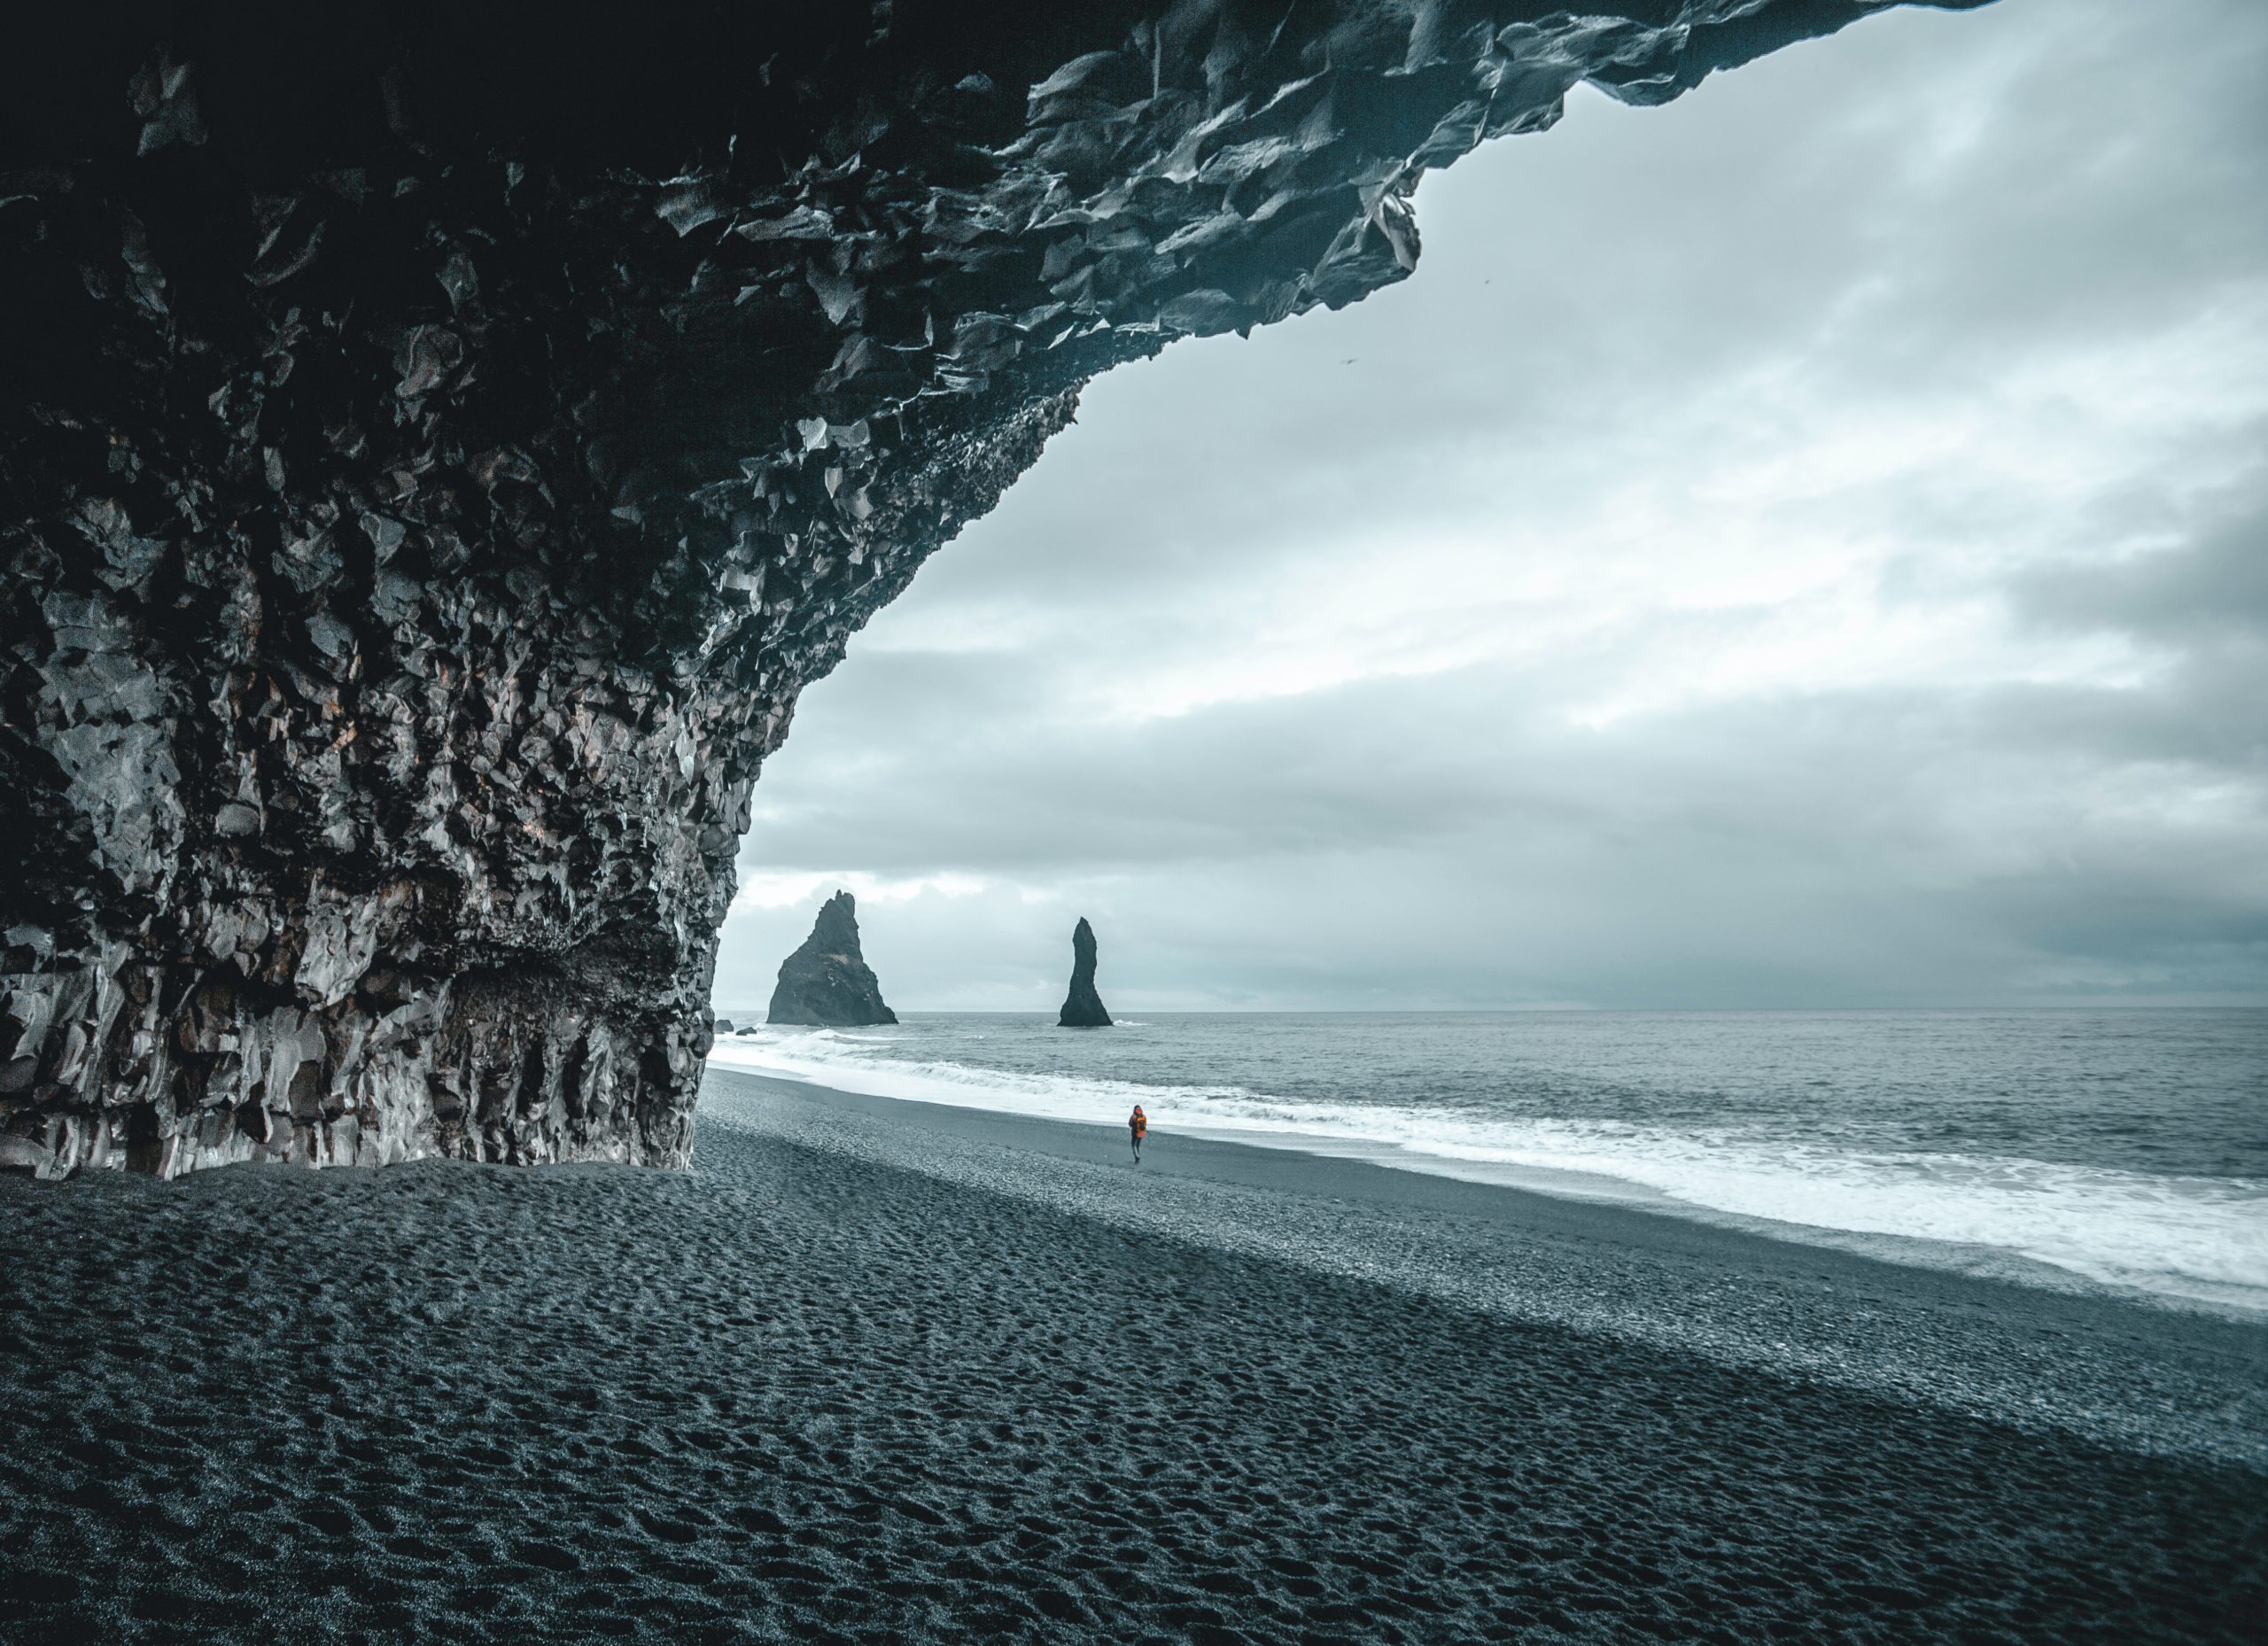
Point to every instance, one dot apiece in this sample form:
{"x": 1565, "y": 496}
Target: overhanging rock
{"x": 439, "y": 444}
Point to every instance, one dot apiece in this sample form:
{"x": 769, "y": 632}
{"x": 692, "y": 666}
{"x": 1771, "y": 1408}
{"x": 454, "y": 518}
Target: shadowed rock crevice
{"x": 439, "y": 445}
{"x": 826, "y": 983}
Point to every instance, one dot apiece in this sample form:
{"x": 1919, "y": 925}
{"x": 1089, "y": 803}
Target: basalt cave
{"x": 438, "y": 443}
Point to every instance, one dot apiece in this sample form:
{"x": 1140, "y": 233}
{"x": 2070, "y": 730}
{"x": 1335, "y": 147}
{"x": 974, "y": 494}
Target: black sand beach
{"x": 879, "y": 1372}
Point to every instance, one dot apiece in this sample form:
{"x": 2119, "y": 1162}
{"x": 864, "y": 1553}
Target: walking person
{"x": 1139, "y": 1124}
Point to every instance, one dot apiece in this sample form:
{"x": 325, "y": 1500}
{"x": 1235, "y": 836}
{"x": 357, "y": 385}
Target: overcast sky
{"x": 1803, "y": 546}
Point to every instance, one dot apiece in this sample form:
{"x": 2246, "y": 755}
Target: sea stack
{"x": 1083, "y": 1006}
{"x": 826, "y": 983}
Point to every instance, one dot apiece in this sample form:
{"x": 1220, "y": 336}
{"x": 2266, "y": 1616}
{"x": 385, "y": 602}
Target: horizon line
{"x": 2107, "y": 1005}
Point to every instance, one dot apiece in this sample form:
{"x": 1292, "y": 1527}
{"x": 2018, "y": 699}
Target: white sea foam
{"x": 2204, "y": 1238}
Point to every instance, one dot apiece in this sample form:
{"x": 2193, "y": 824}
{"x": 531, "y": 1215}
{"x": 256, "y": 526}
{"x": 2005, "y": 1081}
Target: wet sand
{"x": 882, "y": 1371}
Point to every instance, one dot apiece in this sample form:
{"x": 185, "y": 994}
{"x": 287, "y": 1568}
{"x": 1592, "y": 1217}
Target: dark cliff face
{"x": 1083, "y": 1006}
{"x": 439, "y": 445}
{"x": 828, "y": 981}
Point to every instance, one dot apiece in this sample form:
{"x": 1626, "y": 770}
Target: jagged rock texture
{"x": 438, "y": 446}
{"x": 1083, "y": 1006}
{"x": 826, "y": 983}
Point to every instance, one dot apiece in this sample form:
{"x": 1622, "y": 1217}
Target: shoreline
{"x": 2114, "y": 1369}
{"x": 2238, "y": 1305}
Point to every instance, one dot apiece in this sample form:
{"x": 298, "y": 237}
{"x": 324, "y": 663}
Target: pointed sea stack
{"x": 827, "y": 983}
{"x": 1083, "y": 1006}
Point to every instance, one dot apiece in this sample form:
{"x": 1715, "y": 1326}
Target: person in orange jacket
{"x": 1138, "y": 1123}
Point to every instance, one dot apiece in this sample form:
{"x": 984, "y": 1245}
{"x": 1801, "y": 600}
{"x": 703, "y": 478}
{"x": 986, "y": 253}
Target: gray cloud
{"x": 2209, "y": 584}
{"x": 1803, "y": 546}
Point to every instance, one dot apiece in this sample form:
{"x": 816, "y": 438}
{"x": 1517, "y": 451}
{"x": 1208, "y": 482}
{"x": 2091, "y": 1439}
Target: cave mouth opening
{"x": 1694, "y": 590}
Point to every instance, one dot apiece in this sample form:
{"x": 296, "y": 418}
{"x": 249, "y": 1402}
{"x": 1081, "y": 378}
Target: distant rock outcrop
{"x": 725, "y": 1025}
{"x": 827, "y": 983}
{"x": 1083, "y": 1006}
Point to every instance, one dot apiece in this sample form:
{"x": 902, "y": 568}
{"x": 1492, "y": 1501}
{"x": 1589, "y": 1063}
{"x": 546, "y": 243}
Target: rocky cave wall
{"x": 437, "y": 445}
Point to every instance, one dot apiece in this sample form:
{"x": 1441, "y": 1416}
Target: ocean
{"x": 2124, "y": 1148}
